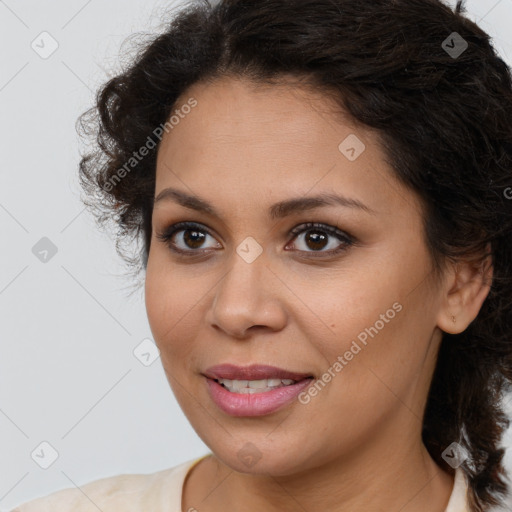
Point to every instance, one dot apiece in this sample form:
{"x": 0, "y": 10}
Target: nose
{"x": 247, "y": 298}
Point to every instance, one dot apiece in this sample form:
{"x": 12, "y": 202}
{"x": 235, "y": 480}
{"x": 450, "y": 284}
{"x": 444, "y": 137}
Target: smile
{"x": 241, "y": 399}
{"x": 254, "y": 386}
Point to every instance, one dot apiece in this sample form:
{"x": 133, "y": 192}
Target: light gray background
{"x": 68, "y": 375}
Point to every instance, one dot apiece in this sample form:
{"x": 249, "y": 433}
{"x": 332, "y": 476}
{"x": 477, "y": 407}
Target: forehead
{"x": 240, "y": 111}
{"x": 261, "y": 140}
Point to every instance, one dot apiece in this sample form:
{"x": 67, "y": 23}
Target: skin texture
{"x": 356, "y": 446}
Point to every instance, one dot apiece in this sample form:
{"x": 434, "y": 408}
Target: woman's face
{"x": 350, "y": 301}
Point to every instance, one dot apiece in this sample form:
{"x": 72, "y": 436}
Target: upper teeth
{"x": 254, "y": 386}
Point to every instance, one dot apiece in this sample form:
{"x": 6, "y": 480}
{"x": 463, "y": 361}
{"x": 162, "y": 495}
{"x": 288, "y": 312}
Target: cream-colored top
{"x": 157, "y": 492}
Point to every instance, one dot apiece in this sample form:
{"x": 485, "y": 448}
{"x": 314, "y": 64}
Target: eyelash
{"x": 348, "y": 240}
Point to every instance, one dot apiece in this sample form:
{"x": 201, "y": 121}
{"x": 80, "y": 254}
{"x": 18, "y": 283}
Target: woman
{"x": 323, "y": 193}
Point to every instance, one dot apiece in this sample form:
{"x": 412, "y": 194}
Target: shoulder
{"x": 134, "y": 492}
{"x": 458, "y": 501}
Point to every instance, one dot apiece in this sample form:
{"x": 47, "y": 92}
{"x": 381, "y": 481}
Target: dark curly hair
{"x": 443, "y": 115}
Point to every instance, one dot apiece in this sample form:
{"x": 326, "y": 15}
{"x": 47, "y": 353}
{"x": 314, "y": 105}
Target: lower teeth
{"x": 252, "y": 391}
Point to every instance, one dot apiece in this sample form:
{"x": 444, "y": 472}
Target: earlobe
{"x": 466, "y": 290}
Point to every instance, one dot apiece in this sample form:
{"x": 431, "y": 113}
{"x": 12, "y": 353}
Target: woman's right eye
{"x": 186, "y": 237}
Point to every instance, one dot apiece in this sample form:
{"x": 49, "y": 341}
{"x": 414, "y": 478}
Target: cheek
{"x": 381, "y": 358}
{"x": 164, "y": 299}
{"x": 373, "y": 320}
{"x": 173, "y": 307}
{"x": 155, "y": 299}
{"x": 344, "y": 304}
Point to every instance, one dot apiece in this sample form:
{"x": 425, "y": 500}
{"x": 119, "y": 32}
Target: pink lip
{"x": 257, "y": 404}
{"x": 252, "y": 372}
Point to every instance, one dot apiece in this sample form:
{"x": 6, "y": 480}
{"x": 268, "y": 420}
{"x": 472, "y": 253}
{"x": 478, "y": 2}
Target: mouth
{"x": 254, "y": 373}
{"x": 249, "y": 387}
{"x": 254, "y": 390}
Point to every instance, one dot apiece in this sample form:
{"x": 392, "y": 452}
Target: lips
{"x": 224, "y": 382}
{"x": 253, "y": 372}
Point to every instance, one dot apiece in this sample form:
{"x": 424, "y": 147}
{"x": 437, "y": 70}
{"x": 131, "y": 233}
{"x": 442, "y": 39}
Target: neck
{"x": 402, "y": 477}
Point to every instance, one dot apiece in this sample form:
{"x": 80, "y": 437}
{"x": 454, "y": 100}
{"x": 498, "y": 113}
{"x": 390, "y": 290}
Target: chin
{"x": 260, "y": 458}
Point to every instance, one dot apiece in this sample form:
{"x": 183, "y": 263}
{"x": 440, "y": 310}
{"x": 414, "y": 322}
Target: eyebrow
{"x": 276, "y": 211}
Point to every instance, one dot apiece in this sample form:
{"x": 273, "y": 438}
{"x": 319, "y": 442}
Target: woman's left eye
{"x": 316, "y": 236}
{"x": 312, "y": 236}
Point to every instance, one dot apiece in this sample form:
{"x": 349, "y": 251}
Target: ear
{"x": 466, "y": 287}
